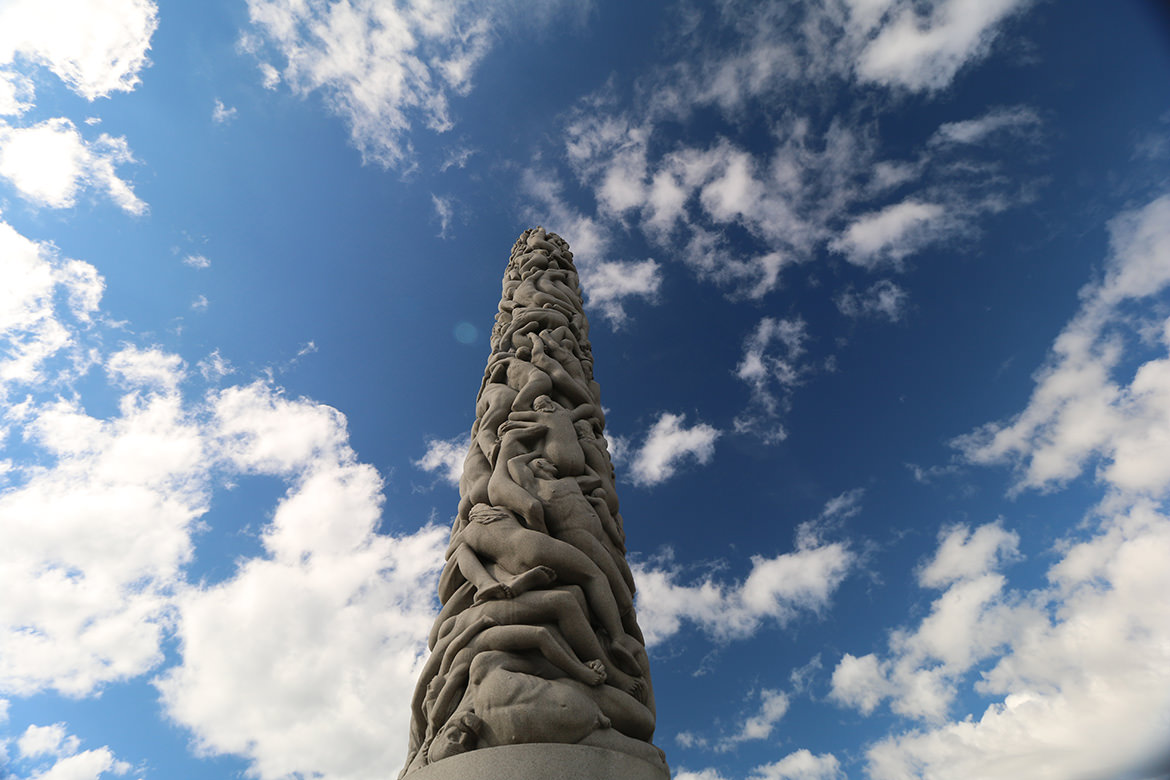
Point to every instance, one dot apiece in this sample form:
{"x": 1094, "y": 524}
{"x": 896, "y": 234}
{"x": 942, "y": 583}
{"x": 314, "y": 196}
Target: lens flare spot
{"x": 465, "y": 333}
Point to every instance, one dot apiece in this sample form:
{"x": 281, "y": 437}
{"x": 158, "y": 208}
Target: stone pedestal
{"x": 543, "y": 761}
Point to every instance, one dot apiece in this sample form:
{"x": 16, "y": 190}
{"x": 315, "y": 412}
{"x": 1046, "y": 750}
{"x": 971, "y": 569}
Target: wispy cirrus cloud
{"x": 383, "y": 68}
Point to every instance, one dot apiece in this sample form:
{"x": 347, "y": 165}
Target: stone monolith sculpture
{"x": 537, "y": 668}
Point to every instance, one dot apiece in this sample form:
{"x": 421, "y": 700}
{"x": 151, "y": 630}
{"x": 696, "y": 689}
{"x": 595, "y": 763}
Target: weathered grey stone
{"x": 542, "y": 762}
{"x": 537, "y": 665}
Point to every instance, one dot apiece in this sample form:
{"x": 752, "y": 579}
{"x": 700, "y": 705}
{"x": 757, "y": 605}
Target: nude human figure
{"x": 559, "y": 443}
{"x": 570, "y": 517}
{"x": 518, "y": 699}
{"x": 452, "y": 642}
{"x": 545, "y": 290}
{"x": 597, "y": 461}
{"x": 495, "y": 534}
{"x": 564, "y": 609}
{"x": 516, "y": 441}
{"x": 447, "y": 687}
{"x": 612, "y": 524}
{"x": 464, "y": 565}
{"x": 573, "y": 389}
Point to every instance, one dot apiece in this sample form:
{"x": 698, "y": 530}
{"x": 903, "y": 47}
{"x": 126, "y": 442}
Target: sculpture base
{"x": 542, "y": 761}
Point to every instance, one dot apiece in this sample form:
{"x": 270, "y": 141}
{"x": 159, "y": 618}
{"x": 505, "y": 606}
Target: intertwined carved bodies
{"x": 537, "y": 638}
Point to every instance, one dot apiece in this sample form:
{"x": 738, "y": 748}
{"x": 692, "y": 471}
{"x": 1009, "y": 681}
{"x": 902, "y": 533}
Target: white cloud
{"x": 215, "y": 366}
{"x": 146, "y": 368}
{"x": 881, "y": 299}
{"x": 801, "y": 765}
{"x": 16, "y": 93}
{"x": 34, "y": 326}
{"x": 95, "y": 46}
{"x": 200, "y": 303}
{"x": 444, "y": 209}
{"x": 667, "y": 445}
{"x": 843, "y": 506}
{"x": 445, "y": 456}
{"x": 775, "y": 589}
{"x": 1082, "y": 690}
{"x": 773, "y": 707}
{"x": 88, "y": 594}
{"x": 50, "y": 161}
{"x": 965, "y": 554}
{"x": 971, "y": 620}
{"x": 382, "y": 67}
{"x": 798, "y": 765}
{"x": 221, "y": 114}
{"x": 771, "y": 366}
{"x": 607, "y": 284}
{"x": 705, "y": 774}
{"x": 889, "y": 235}
{"x": 1014, "y": 120}
{"x": 1074, "y": 672}
{"x": 1080, "y": 408}
{"x": 820, "y": 180}
{"x": 46, "y": 741}
{"x": 300, "y": 661}
{"x": 924, "y": 51}
{"x": 197, "y": 261}
{"x": 53, "y": 742}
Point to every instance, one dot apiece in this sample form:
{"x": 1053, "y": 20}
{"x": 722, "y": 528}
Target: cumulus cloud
{"x": 445, "y": 456}
{"x": 1075, "y": 670}
{"x": 799, "y": 765}
{"x": 1083, "y": 406}
{"x": 776, "y": 589}
{"x": 51, "y": 753}
{"x": 49, "y": 162}
{"x": 972, "y": 619}
{"x": 297, "y": 662}
{"x": 94, "y": 47}
{"x": 668, "y": 444}
{"x": 89, "y": 593}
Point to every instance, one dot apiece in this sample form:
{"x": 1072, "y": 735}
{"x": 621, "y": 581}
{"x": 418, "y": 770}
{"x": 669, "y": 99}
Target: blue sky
{"x": 878, "y": 293}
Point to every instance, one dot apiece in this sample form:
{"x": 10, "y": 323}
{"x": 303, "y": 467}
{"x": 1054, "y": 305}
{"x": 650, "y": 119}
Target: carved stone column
{"x": 537, "y": 666}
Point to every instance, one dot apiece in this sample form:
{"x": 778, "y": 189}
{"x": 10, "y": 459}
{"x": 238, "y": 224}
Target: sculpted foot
{"x": 533, "y": 579}
{"x": 637, "y": 689}
{"x": 599, "y": 668}
{"x": 497, "y": 591}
